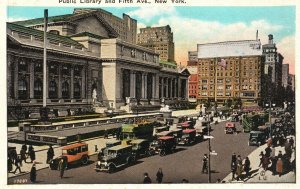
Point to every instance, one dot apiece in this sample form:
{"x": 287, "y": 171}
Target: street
{"x": 185, "y": 163}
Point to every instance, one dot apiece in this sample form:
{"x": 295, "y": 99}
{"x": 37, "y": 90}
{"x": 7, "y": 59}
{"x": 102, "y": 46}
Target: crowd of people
{"x": 280, "y": 163}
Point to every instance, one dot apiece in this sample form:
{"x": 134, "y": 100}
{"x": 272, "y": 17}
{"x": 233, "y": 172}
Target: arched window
{"x": 23, "y": 89}
{"x": 77, "y": 91}
{"x": 38, "y": 89}
{"x": 52, "y": 89}
{"x": 65, "y": 90}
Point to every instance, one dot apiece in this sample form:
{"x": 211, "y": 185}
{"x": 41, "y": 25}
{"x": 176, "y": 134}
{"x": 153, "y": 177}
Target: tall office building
{"x": 238, "y": 77}
{"x": 160, "y": 39}
{"x": 285, "y": 75}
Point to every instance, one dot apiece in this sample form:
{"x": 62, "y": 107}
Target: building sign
{"x": 33, "y": 137}
{"x": 50, "y": 139}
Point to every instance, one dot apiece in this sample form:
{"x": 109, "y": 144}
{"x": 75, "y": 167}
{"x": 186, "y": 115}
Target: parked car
{"x": 108, "y": 144}
{"x": 117, "y": 157}
{"x": 73, "y": 154}
{"x": 188, "y": 137}
{"x": 230, "y": 128}
{"x": 140, "y": 147}
{"x": 257, "y": 138}
{"x": 166, "y": 144}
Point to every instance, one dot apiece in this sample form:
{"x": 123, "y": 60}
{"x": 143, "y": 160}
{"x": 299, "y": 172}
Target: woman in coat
{"x": 159, "y": 176}
{"x": 33, "y": 173}
{"x": 279, "y": 166}
{"x": 239, "y": 170}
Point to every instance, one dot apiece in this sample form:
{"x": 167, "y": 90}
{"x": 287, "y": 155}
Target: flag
{"x": 221, "y": 62}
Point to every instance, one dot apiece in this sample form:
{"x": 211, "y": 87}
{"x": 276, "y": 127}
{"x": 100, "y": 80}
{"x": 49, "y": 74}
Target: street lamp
{"x": 270, "y": 105}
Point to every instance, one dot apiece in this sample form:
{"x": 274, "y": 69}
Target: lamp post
{"x": 270, "y": 105}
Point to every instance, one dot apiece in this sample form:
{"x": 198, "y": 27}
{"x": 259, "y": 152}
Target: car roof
{"x": 163, "y": 133}
{"x": 118, "y": 147}
{"x": 165, "y": 137}
{"x": 74, "y": 146}
{"x": 137, "y": 141}
{"x": 189, "y": 130}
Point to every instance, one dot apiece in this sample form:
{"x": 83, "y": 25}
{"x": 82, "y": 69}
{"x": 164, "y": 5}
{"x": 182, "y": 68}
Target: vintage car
{"x": 140, "y": 147}
{"x": 77, "y": 153}
{"x": 185, "y": 125}
{"x": 188, "y": 137}
{"x": 230, "y": 128}
{"x": 117, "y": 157}
{"x": 108, "y": 144}
{"x": 166, "y": 144}
{"x": 164, "y": 133}
{"x": 257, "y": 138}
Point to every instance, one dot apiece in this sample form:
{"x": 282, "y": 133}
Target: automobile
{"x": 166, "y": 144}
{"x": 188, "y": 137}
{"x": 177, "y": 133}
{"x": 117, "y": 157}
{"x": 257, "y": 138}
{"x": 230, "y": 128}
{"x": 140, "y": 147}
{"x": 108, "y": 144}
{"x": 164, "y": 133}
{"x": 77, "y": 153}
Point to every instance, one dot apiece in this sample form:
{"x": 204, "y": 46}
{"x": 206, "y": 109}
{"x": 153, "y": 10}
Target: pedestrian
{"x": 233, "y": 157}
{"x": 261, "y": 158}
{"x": 31, "y": 154}
{"x": 273, "y": 166}
{"x": 33, "y": 173}
{"x": 50, "y": 154}
{"x": 30, "y": 149}
{"x": 279, "y": 154}
{"x": 9, "y": 164}
{"x": 23, "y": 155}
{"x": 233, "y": 169}
{"x": 272, "y": 152}
{"x": 279, "y": 167}
{"x": 159, "y": 175}
{"x": 269, "y": 142}
{"x": 62, "y": 166}
{"x": 239, "y": 159}
{"x": 105, "y": 134}
{"x": 247, "y": 167}
{"x": 265, "y": 162}
{"x": 17, "y": 164}
{"x": 239, "y": 170}
{"x": 204, "y": 164}
{"x": 147, "y": 179}
{"x": 24, "y": 147}
{"x": 291, "y": 141}
{"x": 268, "y": 151}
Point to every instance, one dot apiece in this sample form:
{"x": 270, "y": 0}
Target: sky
{"x": 198, "y": 25}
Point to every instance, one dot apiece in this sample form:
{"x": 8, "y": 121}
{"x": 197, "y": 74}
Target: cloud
{"x": 287, "y": 48}
{"x": 190, "y": 32}
{"x": 148, "y": 13}
{"x": 14, "y": 19}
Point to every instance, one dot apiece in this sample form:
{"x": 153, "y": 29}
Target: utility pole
{"x": 209, "y": 151}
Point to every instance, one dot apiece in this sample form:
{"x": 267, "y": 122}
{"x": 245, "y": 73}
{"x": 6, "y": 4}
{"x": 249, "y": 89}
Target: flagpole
{"x": 45, "y": 59}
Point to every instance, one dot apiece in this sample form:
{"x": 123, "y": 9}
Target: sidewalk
{"x": 41, "y": 154}
{"x": 254, "y": 158}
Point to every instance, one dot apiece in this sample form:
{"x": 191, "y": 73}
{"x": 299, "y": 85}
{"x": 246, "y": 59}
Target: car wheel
{"x": 111, "y": 168}
{"x": 229, "y": 130}
{"x": 162, "y": 153}
{"x": 84, "y": 160}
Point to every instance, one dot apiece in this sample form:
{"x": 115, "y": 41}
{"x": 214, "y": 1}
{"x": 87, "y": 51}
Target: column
{"x": 31, "y": 79}
{"x": 179, "y": 88}
{"x": 132, "y": 84}
{"x": 83, "y": 83}
{"x": 171, "y": 91}
{"x": 153, "y": 86}
{"x": 47, "y": 80}
{"x": 162, "y": 87}
{"x": 59, "y": 81}
{"x": 145, "y": 85}
{"x": 72, "y": 82}
{"x": 16, "y": 77}
{"x": 167, "y": 87}
{"x": 186, "y": 89}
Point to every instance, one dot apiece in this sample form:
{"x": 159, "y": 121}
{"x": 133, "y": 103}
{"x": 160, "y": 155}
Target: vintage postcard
{"x": 149, "y": 92}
